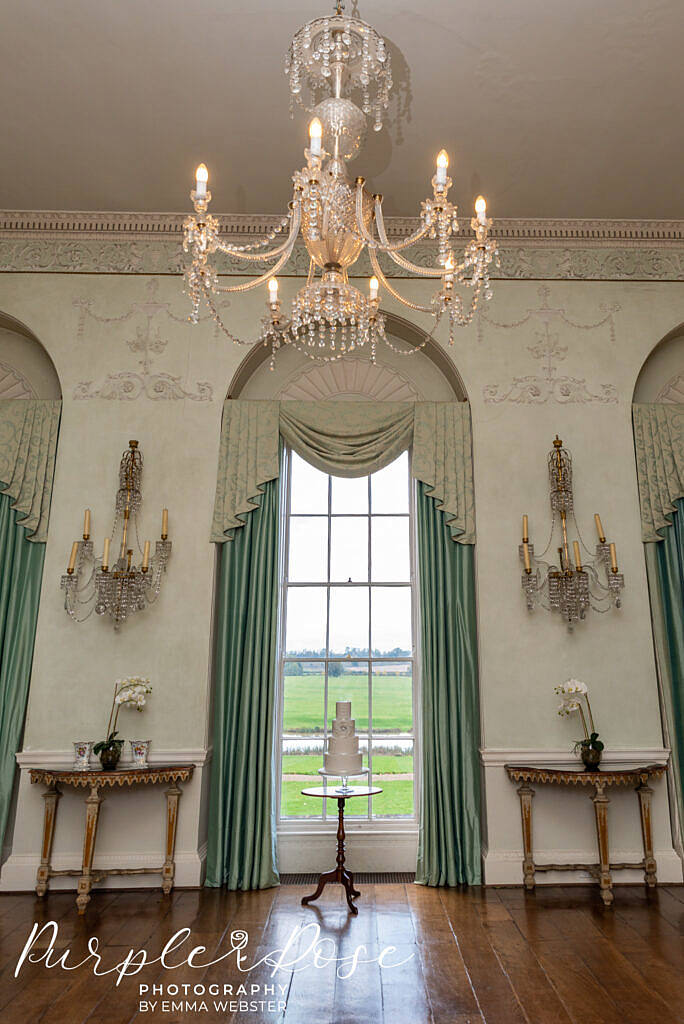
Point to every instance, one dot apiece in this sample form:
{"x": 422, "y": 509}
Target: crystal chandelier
{"x": 574, "y": 585}
{"x": 330, "y": 60}
{"x": 121, "y": 588}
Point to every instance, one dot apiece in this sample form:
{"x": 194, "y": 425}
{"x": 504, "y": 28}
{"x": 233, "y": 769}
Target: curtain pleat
{"x": 21, "y": 571}
{"x": 449, "y": 846}
{"x": 665, "y": 569}
{"x": 241, "y": 844}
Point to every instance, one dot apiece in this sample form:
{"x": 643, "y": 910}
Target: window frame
{"x": 321, "y": 821}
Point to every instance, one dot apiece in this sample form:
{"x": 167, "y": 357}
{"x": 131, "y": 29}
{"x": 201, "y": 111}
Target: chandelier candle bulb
{"x": 273, "y": 291}
{"x": 373, "y": 286}
{"x": 578, "y": 560}
{"x": 315, "y": 137}
{"x": 201, "y": 179}
{"x": 442, "y": 164}
{"x": 481, "y": 209}
{"x": 165, "y": 523}
{"x": 613, "y": 558}
{"x": 72, "y": 557}
{"x": 146, "y": 557}
{"x": 86, "y": 524}
{"x": 105, "y": 555}
{"x": 599, "y": 528}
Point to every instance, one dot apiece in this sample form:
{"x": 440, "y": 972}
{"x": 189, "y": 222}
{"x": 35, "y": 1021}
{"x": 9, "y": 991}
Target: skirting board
{"x": 19, "y": 871}
{"x": 504, "y": 867}
{"x": 378, "y": 851}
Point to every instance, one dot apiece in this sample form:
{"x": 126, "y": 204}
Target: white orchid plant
{"x": 131, "y": 692}
{"x": 573, "y": 692}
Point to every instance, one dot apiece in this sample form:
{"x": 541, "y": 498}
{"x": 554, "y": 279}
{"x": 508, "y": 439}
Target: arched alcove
{"x": 26, "y": 370}
{"x": 427, "y": 374}
{"x": 661, "y": 378}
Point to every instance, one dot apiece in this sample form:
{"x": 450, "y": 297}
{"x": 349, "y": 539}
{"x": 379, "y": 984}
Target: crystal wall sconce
{"x": 575, "y": 584}
{"x": 120, "y": 588}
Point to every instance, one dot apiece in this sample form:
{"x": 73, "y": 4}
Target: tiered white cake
{"x": 343, "y": 756}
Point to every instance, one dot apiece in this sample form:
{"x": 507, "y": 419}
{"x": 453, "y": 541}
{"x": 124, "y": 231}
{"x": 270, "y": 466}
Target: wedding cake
{"x": 343, "y": 756}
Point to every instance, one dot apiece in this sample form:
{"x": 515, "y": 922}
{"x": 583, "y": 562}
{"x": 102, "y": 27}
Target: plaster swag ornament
{"x": 549, "y": 385}
{"x": 148, "y": 342}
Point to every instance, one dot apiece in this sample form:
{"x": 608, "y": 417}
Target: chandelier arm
{"x": 385, "y": 283}
{"x": 401, "y": 260}
{"x": 248, "y": 285}
{"x": 258, "y": 257}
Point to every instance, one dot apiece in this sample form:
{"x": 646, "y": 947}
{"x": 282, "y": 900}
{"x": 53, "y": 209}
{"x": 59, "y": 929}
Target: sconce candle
{"x": 146, "y": 557}
{"x": 72, "y": 557}
{"x": 86, "y": 524}
{"x": 613, "y": 558}
{"x": 525, "y": 535}
{"x": 165, "y": 523}
{"x": 578, "y": 560}
{"x": 526, "y": 557}
{"x": 105, "y": 554}
{"x": 599, "y": 528}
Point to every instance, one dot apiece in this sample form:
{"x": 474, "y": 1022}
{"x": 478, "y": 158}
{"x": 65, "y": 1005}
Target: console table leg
{"x": 526, "y": 793}
{"x": 173, "y": 794}
{"x": 51, "y": 798}
{"x": 601, "y": 801}
{"x": 85, "y": 882}
{"x": 645, "y": 793}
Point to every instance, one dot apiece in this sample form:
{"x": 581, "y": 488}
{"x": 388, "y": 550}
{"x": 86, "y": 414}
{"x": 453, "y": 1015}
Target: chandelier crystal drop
{"x": 334, "y": 64}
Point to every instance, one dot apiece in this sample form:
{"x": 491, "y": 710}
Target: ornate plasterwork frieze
{"x": 147, "y": 342}
{"x": 547, "y": 384}
{"x": 127, "y": 243}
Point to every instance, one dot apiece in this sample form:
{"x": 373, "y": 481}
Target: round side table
{"x": 339, "y": 873}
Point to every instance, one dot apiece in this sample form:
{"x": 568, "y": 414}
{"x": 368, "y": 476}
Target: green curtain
{"x": 449, "y": 848}
{"x": 241, "y": 846}
{"x": 21, "y": 570}
{"x": 665, "y": 568}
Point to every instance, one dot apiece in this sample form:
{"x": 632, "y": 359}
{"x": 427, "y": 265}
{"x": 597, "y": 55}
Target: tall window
{"x": 347, "y": 634}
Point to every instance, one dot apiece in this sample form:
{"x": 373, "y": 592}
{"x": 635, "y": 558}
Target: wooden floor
{"x": 494, "y": 955}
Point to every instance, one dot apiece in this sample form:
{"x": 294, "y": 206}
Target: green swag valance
{"x": 659, "y": 444}
{"x": 28, "y": 442}
{"x": 350, "y": 439}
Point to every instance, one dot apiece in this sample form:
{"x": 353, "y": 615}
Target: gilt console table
{"x": 599, "y": 781}
{"x": 96, "y": 781}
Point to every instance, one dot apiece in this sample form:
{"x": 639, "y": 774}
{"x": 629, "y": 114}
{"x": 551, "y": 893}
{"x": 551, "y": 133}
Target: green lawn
{"x": 395, "y": 799}
{"x": 383, "y": 764}
{"x": 392, "y": 702}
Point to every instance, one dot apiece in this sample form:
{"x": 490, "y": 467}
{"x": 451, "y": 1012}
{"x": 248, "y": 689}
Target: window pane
{"x": 350, "y": 495}
{"x": 349, "y": 549}
{"x": 390, "y": 487}
{"x": 348, "y": 620}
{"x": 393, "y": 773}
{"x": 391, "y": 621}
{"x": 303, "y": 718}
{"x": 308, "y": 488}
{"x": 393, "y": 703}
{"x": 306, "y": 608}
{"x": 308, "y": 561}
{"x": 390, "y": 549}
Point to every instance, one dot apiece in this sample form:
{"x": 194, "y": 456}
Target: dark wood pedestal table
{"x": 339, "y": 873}
{"x": 95, "y": 781}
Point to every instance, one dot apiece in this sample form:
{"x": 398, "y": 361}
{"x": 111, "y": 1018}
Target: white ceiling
{"x": 552, "y": 108}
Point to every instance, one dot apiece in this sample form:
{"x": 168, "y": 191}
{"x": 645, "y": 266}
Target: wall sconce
{"x": 119, "y": 588}
{"x": 575, "y": 584}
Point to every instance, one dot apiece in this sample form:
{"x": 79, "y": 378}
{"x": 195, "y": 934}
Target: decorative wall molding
{"x": 151, "y": 243}
{"x": 14, "y": 384}
{"x": 549, "y": 385}
{"x": 128, "y": 385}
{"x": 562, "y": 757}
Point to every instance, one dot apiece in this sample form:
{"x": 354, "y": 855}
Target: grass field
{"x": 396, "y": 799}
{"x": 392, "y": 702}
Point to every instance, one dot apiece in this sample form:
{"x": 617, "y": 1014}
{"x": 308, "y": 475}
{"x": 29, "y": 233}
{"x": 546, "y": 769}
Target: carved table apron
{"x": 600, "y": 781}
{"x": 96, "y": 781}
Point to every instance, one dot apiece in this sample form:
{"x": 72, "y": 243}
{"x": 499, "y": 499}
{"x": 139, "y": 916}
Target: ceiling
{"x": 551, "y": 108}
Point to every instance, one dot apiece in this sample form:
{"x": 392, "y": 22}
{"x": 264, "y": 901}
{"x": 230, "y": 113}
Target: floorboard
{"x": 460, "y": 956}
